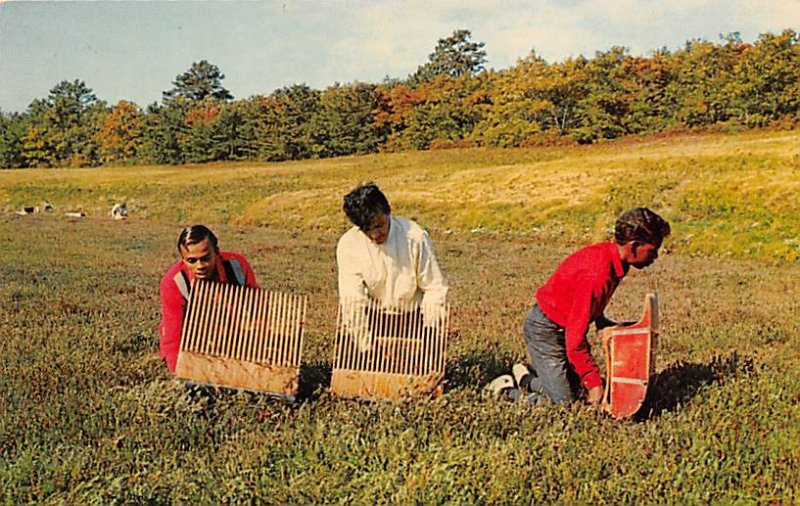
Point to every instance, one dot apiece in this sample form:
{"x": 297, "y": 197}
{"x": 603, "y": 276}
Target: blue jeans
{"x": 547, "y": 349}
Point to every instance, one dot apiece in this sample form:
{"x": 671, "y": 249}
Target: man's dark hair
{"x": 194, "y": 234}
{"x": 641, "y": 224}
{"x": 364, "y": 203}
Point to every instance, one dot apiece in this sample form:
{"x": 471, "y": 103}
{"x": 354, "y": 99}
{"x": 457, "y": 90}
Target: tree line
{"x": 451, "y": 100}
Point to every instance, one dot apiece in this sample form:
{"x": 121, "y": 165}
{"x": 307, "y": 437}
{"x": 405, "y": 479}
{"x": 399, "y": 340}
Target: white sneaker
{"x": 495, "y": 388}
{"x": 520, "y": 371}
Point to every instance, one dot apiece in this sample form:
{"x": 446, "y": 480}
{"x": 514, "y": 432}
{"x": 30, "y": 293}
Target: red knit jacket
{"x": 175, "y": 287}
{"x": 576, "y": 295}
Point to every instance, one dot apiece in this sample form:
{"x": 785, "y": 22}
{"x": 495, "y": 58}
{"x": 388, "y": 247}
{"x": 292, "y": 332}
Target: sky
{"x": 133, "y": 50}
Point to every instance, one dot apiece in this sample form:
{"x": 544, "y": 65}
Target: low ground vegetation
{"x": 88, "y": 414}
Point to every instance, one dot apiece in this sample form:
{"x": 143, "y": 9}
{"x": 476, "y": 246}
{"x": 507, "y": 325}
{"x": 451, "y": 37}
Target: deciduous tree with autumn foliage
{"x": 119, "y": 133}
{"x": 450, "y": 100}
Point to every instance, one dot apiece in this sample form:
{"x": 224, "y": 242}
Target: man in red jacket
{"x": 200, "y": 259}
{"x": 575, "y": 296}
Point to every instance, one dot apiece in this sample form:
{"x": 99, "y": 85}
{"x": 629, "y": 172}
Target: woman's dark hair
{"x": 194, "y": 234}
{"x": 364, "y": 203}
{"x": 641, "y": 224}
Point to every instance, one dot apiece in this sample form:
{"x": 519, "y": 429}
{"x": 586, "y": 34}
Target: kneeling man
{"x": 200, "y": 259}
{"x": 575, "y": 296}
{"x": 387, "y": 258}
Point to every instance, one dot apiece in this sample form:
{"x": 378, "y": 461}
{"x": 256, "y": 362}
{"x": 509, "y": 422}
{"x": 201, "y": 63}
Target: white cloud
{"x": 265, "y": 45}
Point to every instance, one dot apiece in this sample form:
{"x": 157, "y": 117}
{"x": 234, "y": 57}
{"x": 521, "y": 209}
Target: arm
{"x": 578, "y": 349}
{"x": 353, "y": 297}
{"x": 431, "y": 282}
{"x": 249, "y": 274}
{"x": 173, "y": 306}
{"x": 351, "y": 281}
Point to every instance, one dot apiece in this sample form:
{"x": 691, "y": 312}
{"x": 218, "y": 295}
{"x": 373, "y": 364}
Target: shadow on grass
{"x": 478, "y": 368}
{"x": 681, "y": 381}
{"x": 669, "y": 389}
{"x": 314, "y": 379}
{"x": 205, "y": 398}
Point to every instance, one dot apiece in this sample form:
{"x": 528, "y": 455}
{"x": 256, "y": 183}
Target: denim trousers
{"x": 551, "y": 374}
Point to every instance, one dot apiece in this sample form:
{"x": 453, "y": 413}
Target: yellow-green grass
{"x": 88, "y": 413}
{"x": 727, "y": 195}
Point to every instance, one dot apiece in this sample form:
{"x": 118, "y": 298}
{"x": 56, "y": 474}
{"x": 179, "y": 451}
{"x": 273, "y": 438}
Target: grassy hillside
{"x": 726, "y": 195}
{"x": 88, "y": 413}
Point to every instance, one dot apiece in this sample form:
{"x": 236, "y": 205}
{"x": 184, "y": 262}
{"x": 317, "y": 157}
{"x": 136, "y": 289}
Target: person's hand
{"x": 433, "y": 315}
{"x": 595, "y": 395}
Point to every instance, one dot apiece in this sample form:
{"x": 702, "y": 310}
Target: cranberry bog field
{"x": 89, "y": 414}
